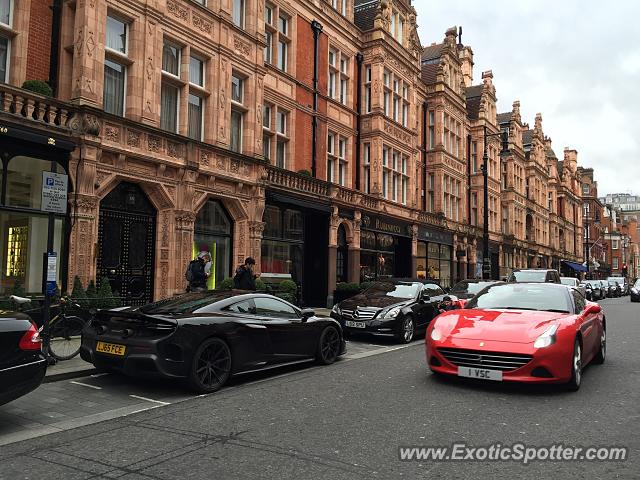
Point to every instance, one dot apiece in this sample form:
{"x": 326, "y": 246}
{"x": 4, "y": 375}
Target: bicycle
{"x": 65, "y": 331}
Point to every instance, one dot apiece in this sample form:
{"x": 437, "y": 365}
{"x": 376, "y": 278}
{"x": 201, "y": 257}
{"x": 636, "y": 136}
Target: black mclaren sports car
{"x": 207, "y": 337}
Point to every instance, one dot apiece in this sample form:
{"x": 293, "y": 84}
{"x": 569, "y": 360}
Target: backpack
{"x": 237, "y": 278}
{"x": 189, "y": 273}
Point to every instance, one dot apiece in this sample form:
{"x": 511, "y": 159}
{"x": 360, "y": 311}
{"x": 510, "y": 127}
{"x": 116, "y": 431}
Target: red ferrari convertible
{"x": 520, "y": 332}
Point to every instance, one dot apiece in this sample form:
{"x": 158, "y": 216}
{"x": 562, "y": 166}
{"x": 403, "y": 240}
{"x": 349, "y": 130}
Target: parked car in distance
{"x": 594, "y": 290}
{"x": 22, "y": 363}
{"x": 606, "y": 288}
{"x": 538, "y": 275}
{"x": 395, "y": 307}
{"x": 622, "y": 281}
{"x": 615, "y": 288}
{"x": 466, "y": 289}
{"x": 634, "y": 292}
{"x": 207, "y": 337}
{"x": 575, "y": 283}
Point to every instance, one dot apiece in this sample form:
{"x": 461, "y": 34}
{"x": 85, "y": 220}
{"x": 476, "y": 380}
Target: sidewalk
{"x": 76, "y": 367}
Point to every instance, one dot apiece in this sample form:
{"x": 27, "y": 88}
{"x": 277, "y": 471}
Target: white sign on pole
{"x": 54, "y": 192}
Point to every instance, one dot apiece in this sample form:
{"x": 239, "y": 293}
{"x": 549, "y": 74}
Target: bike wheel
{"x": 65, "y": 337}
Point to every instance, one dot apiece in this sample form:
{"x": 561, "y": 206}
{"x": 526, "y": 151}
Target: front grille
{"x": 481, "y": 359}
{"x": 360, "y": 313}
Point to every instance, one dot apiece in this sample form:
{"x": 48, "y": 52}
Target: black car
{"x": 207, "y": 337}
{"x": 22, "y": 363}
{"x": 634, "y": 292}
{"x": 396, "y": 307}
{"x": 467, "y": 289}
{"x": 594, "y": 290}
{"x": 615, "y": 288}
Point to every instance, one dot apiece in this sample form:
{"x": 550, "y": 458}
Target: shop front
{"x": 385, "y": 248}
{"x": 295, "y": 245}
{"x": 33, "y": 211}
{"x": 213, "y": 234}
{"x": 435, "y": 254}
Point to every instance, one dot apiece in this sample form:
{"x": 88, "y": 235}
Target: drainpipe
{"x": 425, "y": 109}
{"x": 317, "y": 29}
{"x": 54, "y": 55}
{"x": 359, "y": 60}
{"x": 469, "y": 179}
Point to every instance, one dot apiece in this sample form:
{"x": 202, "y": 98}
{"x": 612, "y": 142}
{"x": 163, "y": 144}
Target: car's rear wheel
{"x": 211, "y": 366}
{"x": 406, "y": 331}
{"x": 576, "y": 367}
{"x": 328, "y": 346}
{"x": 602, "y": 352}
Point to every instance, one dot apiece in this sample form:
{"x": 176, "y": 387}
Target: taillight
{"x": 31, "y": 339}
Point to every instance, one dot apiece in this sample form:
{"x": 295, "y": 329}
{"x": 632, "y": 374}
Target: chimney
{"x": 487, "y": 78}
{"x": 571, "y": 158}
{"x": 451, "y": 35}
{"x": 466, "y": 57}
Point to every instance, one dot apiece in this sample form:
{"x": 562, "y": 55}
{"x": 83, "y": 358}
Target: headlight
{"x": 547, "y": 338}
{"x": 336, "y": 309}
{"x": 634, "y": 290}
{"x": 391, "y": 313}
{"x": 436, "y": 334}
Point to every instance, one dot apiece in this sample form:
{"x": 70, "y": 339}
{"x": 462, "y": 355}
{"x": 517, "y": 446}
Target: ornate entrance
{"x": 126, "y": 243}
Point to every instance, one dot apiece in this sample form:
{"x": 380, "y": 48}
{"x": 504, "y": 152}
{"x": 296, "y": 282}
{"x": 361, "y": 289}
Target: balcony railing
{"x": 296, "y": 181}
{"x": 33, "y": 107}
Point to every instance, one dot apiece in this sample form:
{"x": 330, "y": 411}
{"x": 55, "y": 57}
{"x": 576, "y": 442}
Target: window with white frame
{"x": 282, "y": 139}
{"x": 237, "y": 112}
{"x": 386, "y": 82}
{"x": 6, "y": 20}
{"x": 115, "y": 65}
{"x": 367, "y": 88}
{"x": 367, "y": 167}
{"x": 385, "y": 172}
{"x": 431, "y": 192}
{"x": 338, "y": 81}
{"x": 614, "y": 244}
{"x": 342, "y": 162}
{"x": 395, "y": 178}
{"x": 340, "y": 6}
{"x": 616, "y": 263}
{"x": 474, "y": 208}
{"x": 585, "y": 189}
{"x": 405, "y": 105}
{"x": 171, "y": 86}
{"x": 474, "y": 157}
{"x": 284, "y": 41}
{"x": 452, "y": 136}
{"x": 396, "y": 98}
{"x": 239, "y": 12}
{"x": 336, "y": 159}
{"x": 268, "y": 132}
{"x": 395, "y": 112}
{"x": 396, "y": 26}
{"x": 432, "y": 129}
{"x": 270, "y": 32}
{"x": 452, "y": 201}
{"x": 195, "y": 113}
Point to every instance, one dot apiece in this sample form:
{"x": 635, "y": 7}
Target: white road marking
{"x": 86, "y": 385}
{"x": 150, "y": 400}
{"x": 96, "y": 375}
{"x": 143, "y": 410}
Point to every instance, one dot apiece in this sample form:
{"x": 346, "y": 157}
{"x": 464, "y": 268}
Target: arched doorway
{"x": 342, "y": 256}
{"x": 212, "y": 233}
{"x": 126, "y": 243}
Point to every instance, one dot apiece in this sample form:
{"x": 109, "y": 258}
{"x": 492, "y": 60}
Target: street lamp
{"x": 587, "y": 253}
{"x": 504, "y": 135}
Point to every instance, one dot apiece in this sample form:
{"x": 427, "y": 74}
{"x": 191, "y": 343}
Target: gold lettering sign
{"x": 387, "y": 227}
{"x": 4, "y": 130}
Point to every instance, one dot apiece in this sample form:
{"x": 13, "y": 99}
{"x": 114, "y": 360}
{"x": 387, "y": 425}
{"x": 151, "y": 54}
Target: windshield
{"x": 187, "y": 303}
{"x": 526, "y": 297}
{"x": 398, "y": 290}
{"x": 528, "y": 276}
{"x": 470, "y": 288}
{"x": 568, "y": 281}
{"x": 612, "y": 280}
{"x": 592, "y": 283}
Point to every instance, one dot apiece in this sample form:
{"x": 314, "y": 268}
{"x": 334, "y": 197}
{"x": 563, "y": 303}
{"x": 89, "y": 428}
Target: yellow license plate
{"x": 110, "y": 348}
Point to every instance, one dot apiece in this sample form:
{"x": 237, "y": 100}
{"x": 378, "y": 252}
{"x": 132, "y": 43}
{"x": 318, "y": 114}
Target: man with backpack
{"x": 245, "y": 279}
{"x": 196, "y": 273}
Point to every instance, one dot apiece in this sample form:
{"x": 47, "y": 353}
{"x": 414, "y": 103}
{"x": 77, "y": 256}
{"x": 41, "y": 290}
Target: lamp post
{"x": 504, "y": 135}
{"x": 587, "y": 251}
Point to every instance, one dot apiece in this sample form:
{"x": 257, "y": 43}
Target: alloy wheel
{"x": 577, "y": 364}
{"x": 212, "y": 365}
{"x": 329, "y": 345}
{"x": 407, "y": 329}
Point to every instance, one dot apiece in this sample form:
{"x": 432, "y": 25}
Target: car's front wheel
{"x": 406, "y": 331}
{"x": 328, "y": 346}
{"x": 576, "y": 367}
{"x": 211, "y": 366}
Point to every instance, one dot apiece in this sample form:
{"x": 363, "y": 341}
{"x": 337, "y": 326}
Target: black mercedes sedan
{"x": 207, "y": 337}
{"x": 22, "y": 363}
{"x": 466, "y": 289}
{"x": 395, "y": 307}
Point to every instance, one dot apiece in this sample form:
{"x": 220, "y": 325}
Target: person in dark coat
{"x": 196, "y": 274}
{"x": 447, "y": 304}
{"x": 245, "y": 279}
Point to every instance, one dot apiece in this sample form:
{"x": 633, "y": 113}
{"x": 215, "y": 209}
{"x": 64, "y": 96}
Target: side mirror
{"x": 593, "y": 308}
{"x": 307, "y": 313}
{"x": 424, "y": 298}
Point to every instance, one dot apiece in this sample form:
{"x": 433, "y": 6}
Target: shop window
{"x": 283, "y": 243}
{"x": 377, "y": 256}
{"x": 24, "y": 181}
{"x": 212, "y": 233}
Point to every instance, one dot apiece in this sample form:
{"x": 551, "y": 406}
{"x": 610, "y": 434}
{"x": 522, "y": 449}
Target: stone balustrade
{"x": 34, "y": 107}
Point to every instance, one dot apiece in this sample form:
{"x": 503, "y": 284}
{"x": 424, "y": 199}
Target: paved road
{"x": 347, "y": 421}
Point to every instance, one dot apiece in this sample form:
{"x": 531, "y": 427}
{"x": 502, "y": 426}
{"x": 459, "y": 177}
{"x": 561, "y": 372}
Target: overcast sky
{"x": 576, "y": 62}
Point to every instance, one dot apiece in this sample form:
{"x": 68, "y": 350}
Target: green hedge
{"x": 348, "y": 287}
{"x": 38, "y": 86}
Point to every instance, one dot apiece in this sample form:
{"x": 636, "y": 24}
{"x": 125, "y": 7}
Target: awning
{"x": 575, "y": 266}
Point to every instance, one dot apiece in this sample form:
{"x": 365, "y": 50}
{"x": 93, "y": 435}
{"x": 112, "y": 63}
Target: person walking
{"x": 245, "y": 279}
{"x": 196, "y": 273}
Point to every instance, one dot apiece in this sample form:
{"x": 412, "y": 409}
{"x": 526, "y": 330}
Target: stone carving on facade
{"x": 150, "y": 68}
{"x": 165, "y": 230}
{"x": 241, "y": 47}
{"x": 185, "y": 220}
{"x": 220, "y": 163}
{"x": 133, "y": 138}
{"x": 154, "y": 143}
{"x": 383, "y": 15}
{"x": 234, "y": 166}
{"x": 177, "y": 11}
{"x": 174, "y": 150}
{"x": 85, "y": 124}
{"x": 112, "y": 133}
{"x": 414, "y": 39}
{"x": 256, "y": 229}
{"x": 204, "y": 158}
{"x": 202, "y": 24}
{"x": 397, "y": 132}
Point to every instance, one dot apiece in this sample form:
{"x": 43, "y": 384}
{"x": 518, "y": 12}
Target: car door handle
{"x": 253, "y": 325}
